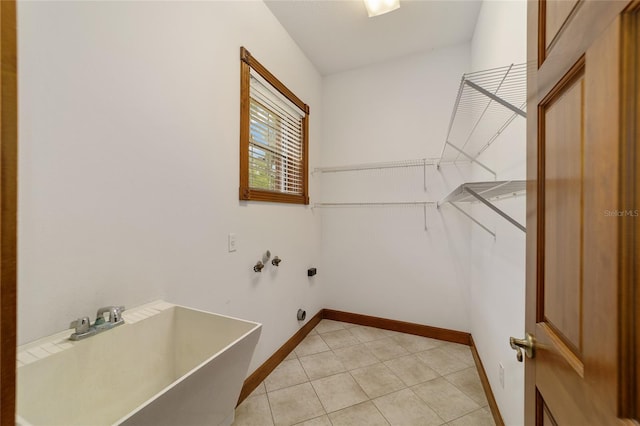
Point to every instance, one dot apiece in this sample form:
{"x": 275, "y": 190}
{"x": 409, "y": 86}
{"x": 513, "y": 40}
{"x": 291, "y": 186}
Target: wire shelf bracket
{"x": 483, "y": 191}
{"x": 493, "y": 234}
{"x": 496, "y": 98}
{"x": 472, "y": 159}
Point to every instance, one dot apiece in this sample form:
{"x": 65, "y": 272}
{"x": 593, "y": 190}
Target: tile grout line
{"x": 273, "y": 419}
{"x": 381, "y": 413}
{"x": 462, "y": 390}
{"x": 326, "y": 413}
{"x": 310, "y": 384}
{"x": 458, "y": 356}
{"x": 353, "y": 378}
{"x": 470, "y": 412}
{"x": 382, "y": 362}
{"x": 369, "y": 399}
{"x": 314, "y": 389}
{"x": 313, "y": 418}
{"x": 346, "y": 371}
{"x": 447, "y": 422}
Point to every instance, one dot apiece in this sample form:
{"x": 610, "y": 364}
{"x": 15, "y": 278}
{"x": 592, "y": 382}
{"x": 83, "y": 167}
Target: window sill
{"x": 249, "y": 194}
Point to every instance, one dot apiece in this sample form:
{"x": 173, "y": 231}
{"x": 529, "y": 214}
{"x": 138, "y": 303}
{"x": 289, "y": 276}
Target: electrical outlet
{"x": 232, "y": 242}
{"x": 501, "y": 374}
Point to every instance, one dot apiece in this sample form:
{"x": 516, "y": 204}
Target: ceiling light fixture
{"x": 378, "y": 7}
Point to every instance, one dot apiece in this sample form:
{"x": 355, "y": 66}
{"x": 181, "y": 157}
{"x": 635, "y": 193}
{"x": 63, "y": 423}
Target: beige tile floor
{"x": 346, "y": 374}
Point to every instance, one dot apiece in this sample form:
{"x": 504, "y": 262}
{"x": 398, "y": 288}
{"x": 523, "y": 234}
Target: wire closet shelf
{"x": 487, "y": 103}
{"x": 483, "y": 192}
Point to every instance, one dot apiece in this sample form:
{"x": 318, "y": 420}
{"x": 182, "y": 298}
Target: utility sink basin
{"x": 167, "y": 365}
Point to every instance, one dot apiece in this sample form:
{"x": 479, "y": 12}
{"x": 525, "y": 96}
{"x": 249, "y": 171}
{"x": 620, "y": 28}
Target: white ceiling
{"x": 337, "y": 35}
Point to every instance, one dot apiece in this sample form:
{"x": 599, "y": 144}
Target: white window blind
{"x": 275, "y": 141}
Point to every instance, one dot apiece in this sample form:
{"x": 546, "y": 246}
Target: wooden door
{"x": 583, "y": 205}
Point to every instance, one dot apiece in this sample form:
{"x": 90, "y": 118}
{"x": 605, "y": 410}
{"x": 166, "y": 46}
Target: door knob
{"x": 528, "y": 344}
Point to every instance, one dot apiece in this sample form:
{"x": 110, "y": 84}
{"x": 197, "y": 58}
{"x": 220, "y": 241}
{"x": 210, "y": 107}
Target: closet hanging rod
{"x": 377, "y": 203}
{"x": 421, "y": 162}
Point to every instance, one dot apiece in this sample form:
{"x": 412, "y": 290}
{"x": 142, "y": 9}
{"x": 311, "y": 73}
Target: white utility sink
{"x": 167, "y": 365}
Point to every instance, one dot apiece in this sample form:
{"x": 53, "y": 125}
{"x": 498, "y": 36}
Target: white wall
{"x": 129, "y": 175}
{"x": 380, "y": 260}
{"x": 498, "y": 266}
{"x": 129, "y": 133}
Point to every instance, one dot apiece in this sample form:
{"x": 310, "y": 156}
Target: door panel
{"x": 556, "y": 14}
{"x": 545, "y": 415}
{"x": 547, "y": 420}
{"x": 562, "y": 131}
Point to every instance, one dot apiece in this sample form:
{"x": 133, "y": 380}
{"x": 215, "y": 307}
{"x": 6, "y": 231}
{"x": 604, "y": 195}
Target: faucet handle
{"x": 81, "y": 325}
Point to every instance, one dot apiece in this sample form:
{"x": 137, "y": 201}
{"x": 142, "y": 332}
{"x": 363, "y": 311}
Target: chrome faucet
{"x": 115, "y": 315}
{"x": 84, "y": 329}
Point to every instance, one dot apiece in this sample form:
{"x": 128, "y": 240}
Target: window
{"x": 273, "y": 137}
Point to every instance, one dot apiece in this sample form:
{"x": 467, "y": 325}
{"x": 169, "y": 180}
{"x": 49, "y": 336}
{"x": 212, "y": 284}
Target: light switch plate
{"x": 232, "y": 242}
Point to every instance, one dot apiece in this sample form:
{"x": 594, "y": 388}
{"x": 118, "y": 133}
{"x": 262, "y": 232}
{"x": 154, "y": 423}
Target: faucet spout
{"x": 115, "y": 314}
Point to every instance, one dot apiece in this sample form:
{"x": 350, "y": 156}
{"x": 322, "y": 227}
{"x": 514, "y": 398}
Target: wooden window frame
{"x": 246, "y": 193}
